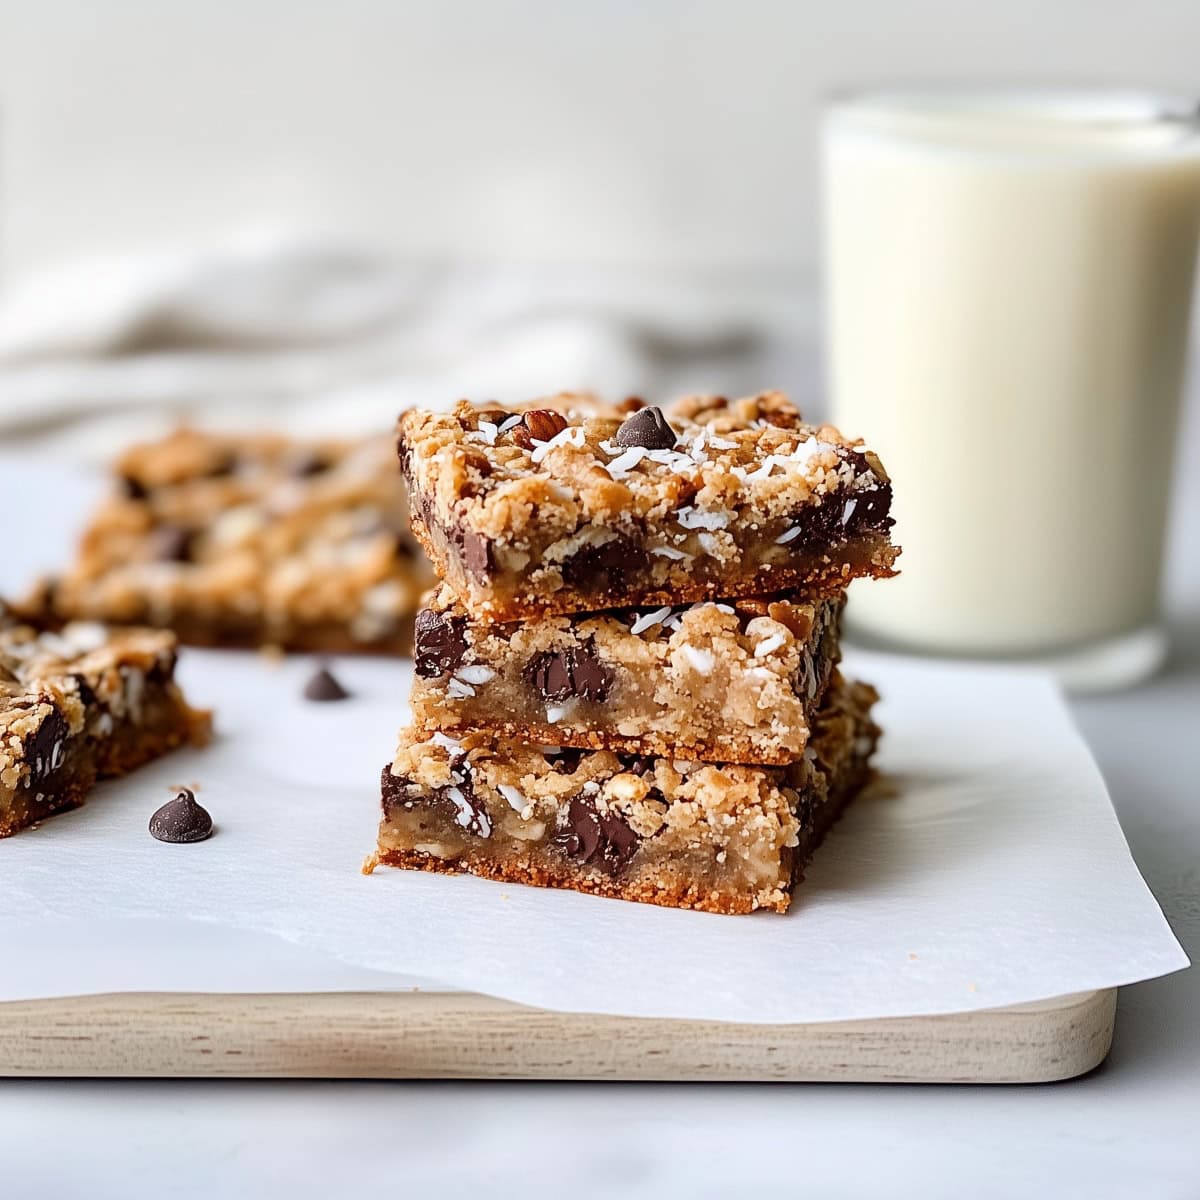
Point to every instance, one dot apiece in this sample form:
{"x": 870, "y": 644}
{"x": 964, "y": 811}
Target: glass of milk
{"x": 1009, "y": 278}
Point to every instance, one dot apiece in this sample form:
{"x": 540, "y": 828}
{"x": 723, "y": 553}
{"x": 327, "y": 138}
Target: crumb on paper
{"x": 972, "y": 987}
{"x": 271, "y": 653}
{"x": 912, "y": 957}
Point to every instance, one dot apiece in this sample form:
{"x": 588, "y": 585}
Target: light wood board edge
{"x": 413, "y": 1035}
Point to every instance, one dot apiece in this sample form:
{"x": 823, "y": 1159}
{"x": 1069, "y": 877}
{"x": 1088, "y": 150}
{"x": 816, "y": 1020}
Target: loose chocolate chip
{"x": 170, "y": 543}
{"x": 133, "y": 489}
{"x": 576, "y": 671}
{"x": 537, "y": 425}
{"x": 43, "y": 749}
{"x": 605, "y": 567}
{"x": 602, "y": 839}
{"x": 323, "y": 686}
{"x": 439, "y": 643}
{"x": 647, "y": 428}
{"x": 181, "y": 820}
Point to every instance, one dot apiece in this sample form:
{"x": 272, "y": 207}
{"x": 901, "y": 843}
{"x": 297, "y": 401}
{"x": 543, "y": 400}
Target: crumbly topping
{"x": 259, "y": 531}
{"x": 734, "y": 462}
{"x": 81, "y": 672}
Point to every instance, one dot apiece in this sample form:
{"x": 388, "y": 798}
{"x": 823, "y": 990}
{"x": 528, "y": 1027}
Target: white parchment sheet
{"x": 996, "y": 872}
{"x": 991, "y": 872}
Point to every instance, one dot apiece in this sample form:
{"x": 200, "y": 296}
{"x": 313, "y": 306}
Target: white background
{"x": 637, "y": 131}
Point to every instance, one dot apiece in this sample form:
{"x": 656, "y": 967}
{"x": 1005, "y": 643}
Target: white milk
{"x": 1009, "y": 279}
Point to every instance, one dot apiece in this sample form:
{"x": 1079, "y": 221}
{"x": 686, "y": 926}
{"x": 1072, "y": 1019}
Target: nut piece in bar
{"x": 81, "y": 704}
{"x": 251, "y": 540}
{"x": 567, "y": 505}
{"x": 685, "y": 834}
{"x": 724, "y": 682}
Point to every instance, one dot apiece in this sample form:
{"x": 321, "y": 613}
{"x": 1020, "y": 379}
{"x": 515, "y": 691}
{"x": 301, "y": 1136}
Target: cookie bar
{"x": 566, "y": 505}
{"x": 253, "y": 540}
{"x": 727, "y": 682}
{"x": 685, "y": 834}
{"x": 80, "y": 704}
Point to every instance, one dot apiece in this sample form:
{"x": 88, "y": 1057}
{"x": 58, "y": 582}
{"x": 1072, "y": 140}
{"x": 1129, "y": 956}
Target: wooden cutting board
{"x": 412, "y": 1035}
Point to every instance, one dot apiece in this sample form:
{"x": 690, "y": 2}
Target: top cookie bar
{"x": 247, "y": 540}
{"x": 565, "y": 505}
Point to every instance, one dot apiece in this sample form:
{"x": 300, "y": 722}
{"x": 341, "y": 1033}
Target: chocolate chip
{"x": 602, "y": 839}
{"x": 439, "y": 643}
{"x": 605, "y": 567}
{"x": 469, "y": 811}
{"x": 647, "y": 428}
{"x": 170, "y": 543}
{"x": 466, "y": 809}
{"x": 133, "y": 489}
{"x": 872, "y": 508}
{"x": 323, "y": 686}
{"x": 222, "y": 464}
{"x": 308, "y": 463}
{"x": 476, "y": 552}
{"x": 181, "y": 820}
{"x": 576, "y": 671}
{"x": 87, "y": 694}
{"x": 537, "y": 425}
{"x": 44, "y": 749}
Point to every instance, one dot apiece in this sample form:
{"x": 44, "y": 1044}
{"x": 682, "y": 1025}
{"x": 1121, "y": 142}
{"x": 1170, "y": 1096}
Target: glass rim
{"x": 1067, "y": 121}
{"x": 1114, "y": 105}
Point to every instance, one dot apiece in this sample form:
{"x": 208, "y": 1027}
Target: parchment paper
{"x": 990, "y": 872}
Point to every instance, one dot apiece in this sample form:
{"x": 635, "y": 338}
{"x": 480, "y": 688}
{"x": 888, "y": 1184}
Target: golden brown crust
{"x": 665, "y": 891}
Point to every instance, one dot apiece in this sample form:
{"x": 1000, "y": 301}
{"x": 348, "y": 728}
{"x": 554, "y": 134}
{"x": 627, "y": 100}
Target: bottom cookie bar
{"x": 722, "y": 838}
{"x": 82, "y": 704}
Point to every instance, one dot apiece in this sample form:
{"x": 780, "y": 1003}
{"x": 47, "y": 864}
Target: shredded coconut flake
{"x": 446, "y": 742}
{"x": 784, "y": 538}
{"x": 848, "y": 511}
{"x": 709, "y": 544}
{"x": 669, "y": 552}
{"x": 476, "y": 674}
{"x": 555, "y": 713}
{"x": 620, "y": 467}
{"x": 457, "y": 690}
{"x": 768, "y": 644}
{"x": 650, "y": 619}
{"x": 701, "y": 660}
{"x": 718, "y": 443}
{"x": 693, "y": 518}
{"x": 510, "y": 422}
{"x": 488, "y": 432}
{"x": 513, "y": 795}
{"x": 572, "y": 435}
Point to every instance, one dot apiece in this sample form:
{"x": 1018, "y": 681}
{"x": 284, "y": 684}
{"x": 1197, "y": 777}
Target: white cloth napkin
{"x": 324, "y": 337}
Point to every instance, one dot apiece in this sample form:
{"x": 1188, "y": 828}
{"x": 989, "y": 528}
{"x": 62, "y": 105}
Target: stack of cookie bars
{"x": 627, "y": 682}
